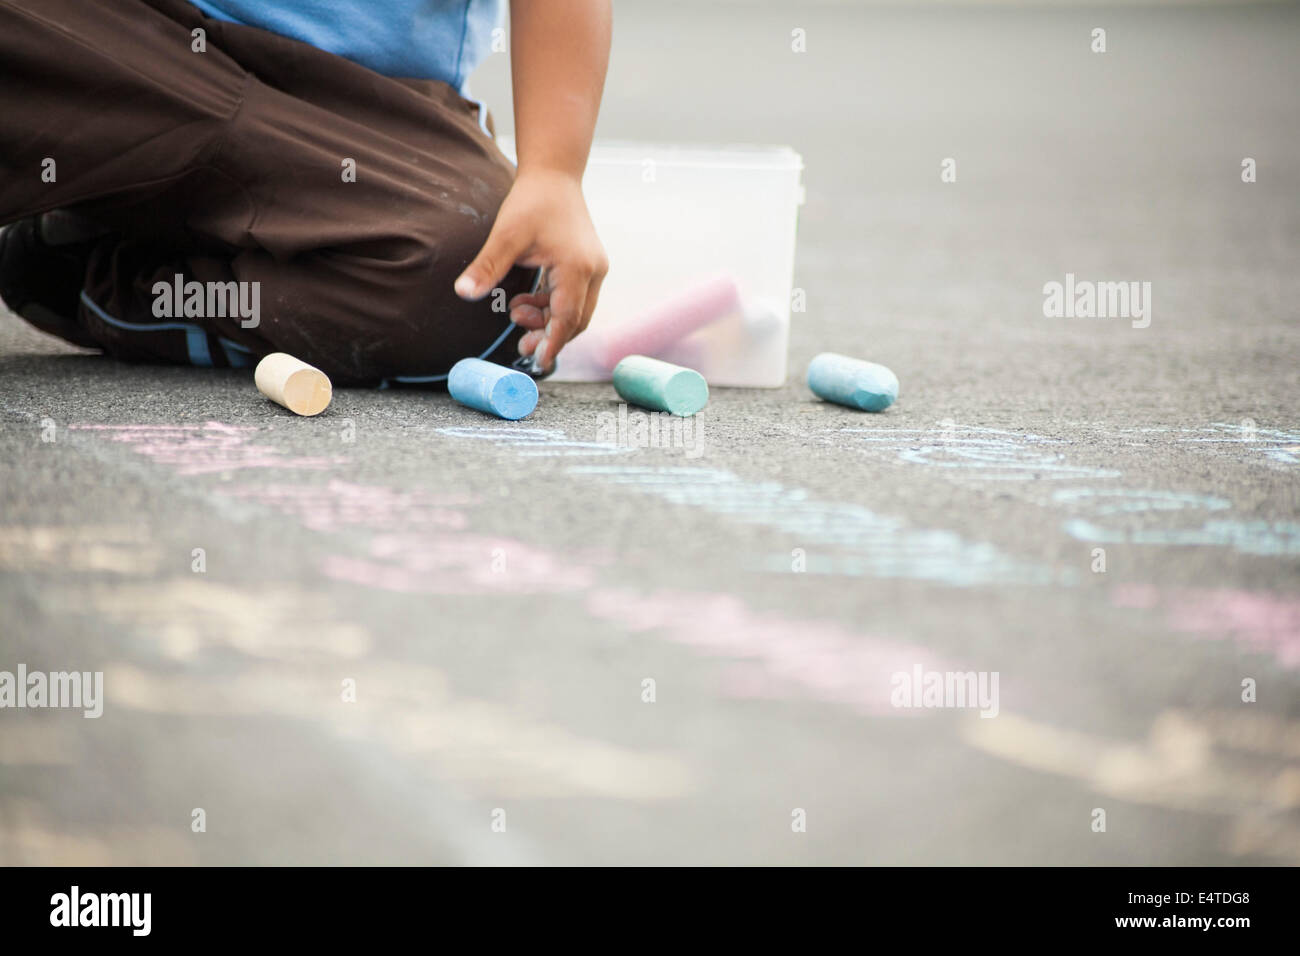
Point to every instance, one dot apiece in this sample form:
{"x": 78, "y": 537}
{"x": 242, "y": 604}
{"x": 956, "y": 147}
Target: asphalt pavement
{"x": 403, "y": 632}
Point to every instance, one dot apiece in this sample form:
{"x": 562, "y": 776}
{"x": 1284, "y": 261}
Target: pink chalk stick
{"x": 669, "y": 322}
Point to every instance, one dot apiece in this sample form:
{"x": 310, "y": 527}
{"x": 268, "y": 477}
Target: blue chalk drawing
{"x": 971, "y": 451}
{"x": 1112, "y": 501}
{"x": 1258, "y": 537}
{"x": 1275, "y": 445}
{"x": 1269, "y": 538}
{"x": 535, "y": 442}
{"x": 866, "y": 544}
{"x": 871, "y": 544}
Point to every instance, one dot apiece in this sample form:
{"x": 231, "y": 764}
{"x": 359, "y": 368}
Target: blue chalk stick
{"x": 491, "y": 388}
{"x": 852, "y": 382}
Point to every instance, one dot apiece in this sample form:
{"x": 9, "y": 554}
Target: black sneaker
{"x": 42, "y": 282}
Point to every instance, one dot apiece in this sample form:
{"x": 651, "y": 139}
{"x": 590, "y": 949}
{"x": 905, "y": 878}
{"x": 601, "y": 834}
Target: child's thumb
{"x": 499, "y": 253}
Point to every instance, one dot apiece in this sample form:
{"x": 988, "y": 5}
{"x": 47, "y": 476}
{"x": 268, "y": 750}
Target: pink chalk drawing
{"x": 1261, "y": 621}
{"x": 425, "y": 549}
{"x": 772, "y": 656}
{"x": 340, "y": 504}
{"x": 210, "y": 448}
{"x": 420, "y": 545}
{"x": 457, "y": 563}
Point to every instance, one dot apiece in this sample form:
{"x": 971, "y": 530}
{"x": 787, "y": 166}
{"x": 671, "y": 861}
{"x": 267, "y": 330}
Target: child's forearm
{"x": 559, "y": 53}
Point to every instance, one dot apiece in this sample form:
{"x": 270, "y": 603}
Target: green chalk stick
{"x": 661, "y": 386}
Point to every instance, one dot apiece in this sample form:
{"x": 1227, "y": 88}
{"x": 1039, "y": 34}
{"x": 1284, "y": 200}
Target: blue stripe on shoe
{"x": 196, "y": 340}
{"x": 237, "y": 355}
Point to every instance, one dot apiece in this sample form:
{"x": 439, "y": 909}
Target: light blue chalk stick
{"x": 852, "y": 382}
{"x": 491, "y": 388}
{"x": 661, "y": 386}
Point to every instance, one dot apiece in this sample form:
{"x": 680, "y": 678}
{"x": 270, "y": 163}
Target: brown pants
{"x": 231, "y": 165}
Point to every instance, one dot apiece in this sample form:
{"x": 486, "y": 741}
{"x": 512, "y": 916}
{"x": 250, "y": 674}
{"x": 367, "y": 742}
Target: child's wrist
{"x": 567, "y": 173}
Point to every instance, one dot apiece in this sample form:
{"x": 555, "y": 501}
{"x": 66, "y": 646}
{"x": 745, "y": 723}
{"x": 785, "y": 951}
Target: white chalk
{"x": 294, "y": 384}
{"x": 669, "y": 322}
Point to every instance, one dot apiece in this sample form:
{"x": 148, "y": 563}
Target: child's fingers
{"x": 538, "y": 299}
{"x": 530, "y": 317}
{"x": 528, "y": 344}
{"x": 505, "y": 246}
{"x": 589, "y": 308}
{"x": 568, "y": 296}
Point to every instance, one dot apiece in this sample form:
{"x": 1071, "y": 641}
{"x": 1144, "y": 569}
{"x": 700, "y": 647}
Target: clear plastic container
{"x": 677, "y": 223}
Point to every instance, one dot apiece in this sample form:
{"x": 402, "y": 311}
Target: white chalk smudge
{"x": 535, "y": 442}
{"x": 991, "y": 454}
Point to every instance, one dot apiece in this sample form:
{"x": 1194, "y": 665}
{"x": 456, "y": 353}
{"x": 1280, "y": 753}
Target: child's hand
{"x": 543, "y": 222}
{"x": 558, "y": 54}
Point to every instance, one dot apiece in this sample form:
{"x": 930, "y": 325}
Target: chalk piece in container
{"x": 852, "y": 382}
{"x": 297, "y": 386}
{"x": 492, "y": 388}
{"x": 661, "y": 386}
{"x": 669, "y": 322}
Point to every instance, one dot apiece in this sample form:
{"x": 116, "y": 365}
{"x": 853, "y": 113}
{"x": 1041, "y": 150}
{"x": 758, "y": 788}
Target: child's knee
{"x": 386, "y": 311}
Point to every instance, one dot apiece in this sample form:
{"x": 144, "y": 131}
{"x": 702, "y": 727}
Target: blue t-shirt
{"x": 423, "y": 39}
